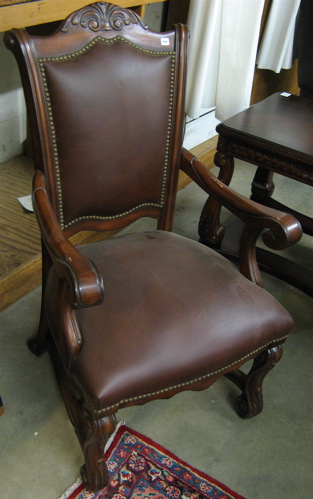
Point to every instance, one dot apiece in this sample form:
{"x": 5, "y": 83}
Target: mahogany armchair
{"x": 141, "y": 316}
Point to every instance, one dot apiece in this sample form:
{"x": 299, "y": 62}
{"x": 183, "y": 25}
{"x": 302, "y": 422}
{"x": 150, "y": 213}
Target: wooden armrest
{"x": 282, "y": 229}
{"x": 84, "y": 281}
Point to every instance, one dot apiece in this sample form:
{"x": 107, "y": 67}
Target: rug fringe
{"x": 71, "y": 489}
{"x": 76, "y": 484}
{"x": 119, "y": 424}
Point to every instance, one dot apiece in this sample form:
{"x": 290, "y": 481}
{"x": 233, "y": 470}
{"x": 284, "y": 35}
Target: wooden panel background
{"x": 30, "y": 13}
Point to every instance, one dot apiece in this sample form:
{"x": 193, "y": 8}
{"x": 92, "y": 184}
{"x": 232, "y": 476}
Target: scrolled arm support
{"x": 85, "y": 284}
{"x": 282, "y": 229}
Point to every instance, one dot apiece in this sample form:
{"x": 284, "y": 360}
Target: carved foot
{"x": 94, "y": 472}
{"x": 36, "y": 346}
{"x": 250, "y": 402}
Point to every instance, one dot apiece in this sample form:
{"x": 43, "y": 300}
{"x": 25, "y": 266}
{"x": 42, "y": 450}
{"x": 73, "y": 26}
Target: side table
{"x": 276, "y": 135}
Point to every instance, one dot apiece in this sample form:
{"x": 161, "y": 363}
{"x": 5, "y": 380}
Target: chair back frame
{"x": 96, "y": 90}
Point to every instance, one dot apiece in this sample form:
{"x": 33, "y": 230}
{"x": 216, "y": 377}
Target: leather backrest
{"x": 105, "y": 100}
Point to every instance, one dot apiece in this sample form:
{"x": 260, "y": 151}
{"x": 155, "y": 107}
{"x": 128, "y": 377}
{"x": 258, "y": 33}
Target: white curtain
{"x": 276, "y": 49}
{"x": 223, "y": 43}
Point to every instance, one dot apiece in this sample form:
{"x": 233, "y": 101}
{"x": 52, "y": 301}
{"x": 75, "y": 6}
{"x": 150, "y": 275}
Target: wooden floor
{"x": 19, "y": 236}
{"x": 16, "y": 247}
{"x": 20, "y": 262}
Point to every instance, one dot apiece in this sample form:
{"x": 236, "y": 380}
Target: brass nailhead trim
{"x": 67, "y": 57}
{"x": 175, "y": 387}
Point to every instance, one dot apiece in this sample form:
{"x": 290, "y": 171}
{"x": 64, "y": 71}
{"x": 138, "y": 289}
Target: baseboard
{"x": 200, "y": 130}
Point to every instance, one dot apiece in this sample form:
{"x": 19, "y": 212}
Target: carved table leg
{"x": 262, "y": 186}
{"x": 94, "y": 472}
{"x": 211, "y": 231}
{"x": 250, "y": 402}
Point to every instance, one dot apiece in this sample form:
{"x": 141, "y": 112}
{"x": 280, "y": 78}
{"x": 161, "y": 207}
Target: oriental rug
{"x": 141, "y": 469}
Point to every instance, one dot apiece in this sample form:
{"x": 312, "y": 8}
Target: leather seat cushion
{"x": 174, "y": 311}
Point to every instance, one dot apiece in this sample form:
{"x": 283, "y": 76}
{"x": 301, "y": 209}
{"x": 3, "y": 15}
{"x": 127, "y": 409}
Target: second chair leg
{"x": 250, "y": 402}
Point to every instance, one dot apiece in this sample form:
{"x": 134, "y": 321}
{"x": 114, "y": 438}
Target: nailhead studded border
{"x": 124, "y": 402}
{"x": 70, "y": 56}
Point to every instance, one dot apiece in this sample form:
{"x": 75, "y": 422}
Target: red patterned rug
{"x": 141, "y": 469}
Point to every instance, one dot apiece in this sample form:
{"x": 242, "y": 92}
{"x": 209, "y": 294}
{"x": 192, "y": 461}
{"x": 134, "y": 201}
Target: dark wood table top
{"x": 281, "y": 124}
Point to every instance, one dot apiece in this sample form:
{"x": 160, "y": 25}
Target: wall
{"x": 12, "y": 107}
{"x": 155, "y": 15}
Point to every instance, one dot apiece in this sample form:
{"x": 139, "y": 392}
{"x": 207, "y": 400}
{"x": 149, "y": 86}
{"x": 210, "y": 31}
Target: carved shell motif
{"x": 102, "y": 16}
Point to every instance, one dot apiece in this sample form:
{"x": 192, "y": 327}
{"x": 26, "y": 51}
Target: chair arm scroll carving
{"x": 281, "y": 229}
{"x": 84, "y": 281}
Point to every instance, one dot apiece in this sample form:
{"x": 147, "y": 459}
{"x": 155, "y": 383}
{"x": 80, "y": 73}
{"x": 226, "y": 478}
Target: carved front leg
{"x": 250, "y": 402}
{"x": 211, "y": 231}
{"x": 94, "y": 472}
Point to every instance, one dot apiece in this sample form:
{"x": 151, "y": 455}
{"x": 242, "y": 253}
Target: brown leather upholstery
{"x": 168, "y": 327}
{"x": 127, "y": 182}
{"x": 140, "y": 316}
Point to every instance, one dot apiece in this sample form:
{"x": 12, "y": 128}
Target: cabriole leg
{"x": 250, "y": 402}
{"x": 94, "y": 472}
